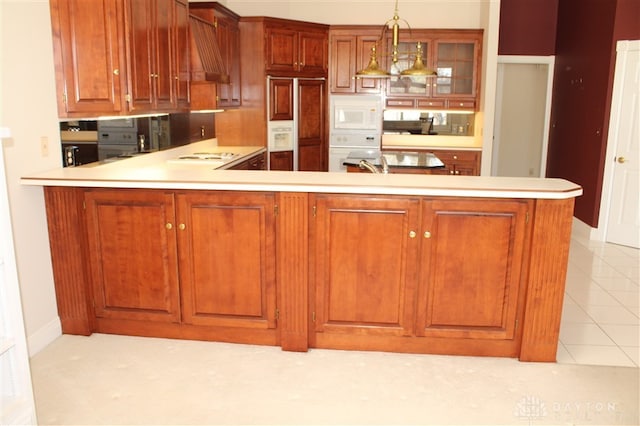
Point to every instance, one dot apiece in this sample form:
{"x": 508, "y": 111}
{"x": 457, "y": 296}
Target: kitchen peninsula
{"x": 463, "y": 265}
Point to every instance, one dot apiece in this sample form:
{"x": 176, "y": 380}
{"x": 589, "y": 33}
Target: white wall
{"x": 29, "y": 109}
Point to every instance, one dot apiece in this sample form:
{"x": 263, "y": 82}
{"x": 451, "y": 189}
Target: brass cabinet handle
{"x": 116, "y": 72}
{"x": 169, "y": 225}
{"x": 182, "y": 226}
{"x": 427, "y": 234}
{"x": 412, "y": 234}
{"x": 622, "y": 160}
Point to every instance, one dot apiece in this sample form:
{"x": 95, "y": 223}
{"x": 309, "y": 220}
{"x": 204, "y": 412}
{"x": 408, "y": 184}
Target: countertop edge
{"x": 151, "y": 171}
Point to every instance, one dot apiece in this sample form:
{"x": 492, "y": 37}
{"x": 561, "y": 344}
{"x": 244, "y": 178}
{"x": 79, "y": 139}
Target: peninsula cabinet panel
{"x": 471, "y": 268}
{"x": 132, "y": 253}
{"x": 227, "y": 263}
{"x": 89, "y": 59}
{"x": 365, "y": 262}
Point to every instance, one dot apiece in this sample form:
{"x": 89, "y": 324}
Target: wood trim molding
{"x": 68, "y": 252}
{"x": 292, "y": 270}
{"x": 550, "y": 242}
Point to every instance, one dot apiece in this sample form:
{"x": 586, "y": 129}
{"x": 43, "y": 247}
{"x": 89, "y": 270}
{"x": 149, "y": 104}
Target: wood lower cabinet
{"x": 456, "y": 162}
{"x": 281, "y": 160}
{"x": 398, "y": 273}
{"x": 227, "y": 268}
{"x": 471, "y": 269}
{"x": 187, "y": 258}
{"x": 365, "y": 266}
{"x": 461, "y": 261}
{"x": 257, "y": 162}
{"x": 133, "y": 255}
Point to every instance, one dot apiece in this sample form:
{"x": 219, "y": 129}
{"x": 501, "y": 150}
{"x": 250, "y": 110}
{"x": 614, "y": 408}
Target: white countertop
{"x": 154, "y": 171}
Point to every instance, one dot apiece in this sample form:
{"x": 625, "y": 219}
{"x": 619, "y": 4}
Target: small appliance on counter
{"x": 79, "y": 142}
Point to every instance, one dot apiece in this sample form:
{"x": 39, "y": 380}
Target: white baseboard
{"x": 586, "y": 232}
{"x": 44, "y": 336}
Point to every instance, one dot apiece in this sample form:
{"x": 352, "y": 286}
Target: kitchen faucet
{"x": 364, "y": 164}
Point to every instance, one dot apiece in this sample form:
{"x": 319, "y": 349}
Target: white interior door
{"x": 623, "y": 223}
{"x": 521, "y": 129}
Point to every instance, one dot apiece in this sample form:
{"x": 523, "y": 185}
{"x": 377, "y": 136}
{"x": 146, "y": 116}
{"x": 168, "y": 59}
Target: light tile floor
{"x": 601, "y": 315}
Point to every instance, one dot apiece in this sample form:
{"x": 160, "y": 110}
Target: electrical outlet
{"x": 44, "y": 146}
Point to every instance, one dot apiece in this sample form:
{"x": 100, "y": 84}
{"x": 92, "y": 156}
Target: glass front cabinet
{"x": 455, "y": 56}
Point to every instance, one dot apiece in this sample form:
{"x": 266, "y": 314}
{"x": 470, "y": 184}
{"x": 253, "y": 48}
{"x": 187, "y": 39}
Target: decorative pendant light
{"x": 373, "y": 69}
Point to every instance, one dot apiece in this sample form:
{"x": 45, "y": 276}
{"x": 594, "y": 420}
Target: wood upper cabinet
{"x": 151, "y": 54}
{"x": 280, "y": 99}
{"x": 182, "y": 76}
{"x": 226, "y": 23}
{"x": 472, "y": 268}
{"x": 365, "y": 263}
{"x": 227, "y": 262}
{"x": 455, "y": 55}
{"x": 116, "y": 57}
{"x": 133, "y": 255}
{"x": 312, "y": 149}
{"x": 89, "y": 58}
{"x": 295, "y": 49}
{"x": 349, "y": 52}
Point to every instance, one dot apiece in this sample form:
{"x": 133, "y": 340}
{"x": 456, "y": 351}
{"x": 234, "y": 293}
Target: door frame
{"x": 600, "y": 233}
{"x": 529, "y": 60}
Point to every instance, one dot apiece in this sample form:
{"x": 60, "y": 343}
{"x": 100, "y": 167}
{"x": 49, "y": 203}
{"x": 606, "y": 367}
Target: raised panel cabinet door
{"x": 133, "y": 257}
{"x": 281, "y": 50}
{"x": 313, "y": 54}
{"x": 472, "y": 270}
{"x": 366, "y": 85}
{"x": 227, "y": 259}
{"x": 165, "y": 55}
{"x": 342, "y": 63}
{"x": 181, "y": 72}
{"x": 281, "y": 160}
{"x": 139, "y": 16}
{"x": 312, "y": 146}
{"x": 365, "y": 255}
{"x": 151, "y": 54}
{"x": 90, "y": 66}
{"x": 280, "y": 99}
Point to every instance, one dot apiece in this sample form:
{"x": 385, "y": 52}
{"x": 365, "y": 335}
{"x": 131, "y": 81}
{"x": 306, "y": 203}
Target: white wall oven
{"x": 355, "y": 128}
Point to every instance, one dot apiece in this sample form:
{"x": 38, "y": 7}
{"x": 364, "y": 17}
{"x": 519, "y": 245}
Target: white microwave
{"x": 356, "y": 113}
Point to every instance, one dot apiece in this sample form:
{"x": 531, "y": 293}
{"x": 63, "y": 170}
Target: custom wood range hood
{"x": 206, "y": 60}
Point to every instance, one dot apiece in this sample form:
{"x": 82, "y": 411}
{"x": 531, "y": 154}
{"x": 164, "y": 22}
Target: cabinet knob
{"x": 116, "y": 72}
{"x": 169, "y": 225}
{"x": 182, "y": 226}
{"x": 412, "y": 234}
{"x": 427, "y": 234}
{"x": 621, "y": 160}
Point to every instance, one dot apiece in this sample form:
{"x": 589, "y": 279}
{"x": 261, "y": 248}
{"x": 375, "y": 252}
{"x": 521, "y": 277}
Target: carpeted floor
{"x": 105, "y": 379}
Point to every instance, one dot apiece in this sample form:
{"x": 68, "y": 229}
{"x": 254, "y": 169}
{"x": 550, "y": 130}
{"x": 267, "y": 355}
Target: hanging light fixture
{"x": 373, "y": 69}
